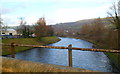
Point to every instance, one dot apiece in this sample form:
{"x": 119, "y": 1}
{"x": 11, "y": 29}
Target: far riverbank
{"x": 29, "y": 41}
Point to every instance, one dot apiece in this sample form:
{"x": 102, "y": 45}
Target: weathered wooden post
{"x": 12, "y": 50}
{"x": 70, "y": 55}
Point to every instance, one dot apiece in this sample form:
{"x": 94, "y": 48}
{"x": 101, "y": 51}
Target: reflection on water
{"x": 82, "y": 59}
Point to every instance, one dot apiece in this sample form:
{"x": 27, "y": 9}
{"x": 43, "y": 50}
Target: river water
{"x": 81, "y": 59}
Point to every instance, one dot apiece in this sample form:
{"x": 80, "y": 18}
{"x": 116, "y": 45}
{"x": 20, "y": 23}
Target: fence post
{"x": 12, "y": 50}
{"x": 70, "y": 55}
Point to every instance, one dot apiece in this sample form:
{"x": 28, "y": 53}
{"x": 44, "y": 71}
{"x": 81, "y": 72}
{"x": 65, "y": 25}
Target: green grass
{"x": 49, "y": 40}
{"x": 28, "y": 41}
{"x": 115, "y": 57}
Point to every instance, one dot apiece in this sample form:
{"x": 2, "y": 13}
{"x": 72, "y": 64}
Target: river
{"x": 81, "y": 59}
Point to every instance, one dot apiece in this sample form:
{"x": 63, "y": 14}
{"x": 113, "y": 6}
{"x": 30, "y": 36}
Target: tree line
{"x": 98, "y": 32}
{"x": 39, "y": 29}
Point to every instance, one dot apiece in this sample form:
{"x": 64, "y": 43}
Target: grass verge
{"x": 29, "y": 41}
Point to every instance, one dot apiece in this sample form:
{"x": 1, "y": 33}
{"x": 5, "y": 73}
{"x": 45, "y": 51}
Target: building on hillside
{"x": 8, "y": 32}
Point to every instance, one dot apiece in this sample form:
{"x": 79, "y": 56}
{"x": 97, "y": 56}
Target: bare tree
{"x": 21, "y": 26}
{"x": 115, "y": 18}
{"x": 114, "y": 15}
{"x": 3, "y": 26}
{"x": 94, "y": 31}
{"x": 42, "y": 30}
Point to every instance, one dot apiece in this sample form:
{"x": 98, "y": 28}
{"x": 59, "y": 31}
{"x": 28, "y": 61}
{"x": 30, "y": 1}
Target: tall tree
{"x": 3, "y": 26}
{"x": 41, "y": 28}
{"x": 114, "y": 14}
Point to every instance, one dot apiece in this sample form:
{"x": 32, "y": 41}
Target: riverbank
{"x": 31, "y": 41}
{"x": 15, "y": 65}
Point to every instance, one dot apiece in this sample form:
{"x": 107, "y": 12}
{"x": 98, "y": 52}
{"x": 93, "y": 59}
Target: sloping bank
{"x": 114, "y": 57}
{"x": 29, "y": 41}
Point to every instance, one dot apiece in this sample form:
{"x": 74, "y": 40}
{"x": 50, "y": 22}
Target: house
{"x": 8, "y": 32}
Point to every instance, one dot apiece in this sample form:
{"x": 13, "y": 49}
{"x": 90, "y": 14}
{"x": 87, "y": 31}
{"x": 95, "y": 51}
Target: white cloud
{"x": 55, "y": 0}
{"x": 74, "y": 14}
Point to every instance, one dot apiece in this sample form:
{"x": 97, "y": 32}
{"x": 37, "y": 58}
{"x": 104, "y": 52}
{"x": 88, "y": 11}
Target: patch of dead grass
{"x": 14, "y": 65}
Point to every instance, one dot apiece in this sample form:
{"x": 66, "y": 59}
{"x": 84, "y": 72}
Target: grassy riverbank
{"x": 29, "y": 41}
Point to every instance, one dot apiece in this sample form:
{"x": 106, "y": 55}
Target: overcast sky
{"x": 54, "y": 11}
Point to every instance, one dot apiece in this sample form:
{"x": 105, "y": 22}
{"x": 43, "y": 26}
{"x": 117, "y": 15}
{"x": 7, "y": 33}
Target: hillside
{"x": 74, "y": 27}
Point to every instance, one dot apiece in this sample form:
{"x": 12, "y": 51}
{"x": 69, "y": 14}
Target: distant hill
{"x": 75, "y": 26}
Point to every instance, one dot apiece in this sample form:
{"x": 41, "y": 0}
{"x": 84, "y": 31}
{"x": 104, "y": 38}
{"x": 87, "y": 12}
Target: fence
{"x": 70, "y": 48}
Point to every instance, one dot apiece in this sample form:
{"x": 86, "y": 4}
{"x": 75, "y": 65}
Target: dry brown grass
{"x": 14, "y": 65}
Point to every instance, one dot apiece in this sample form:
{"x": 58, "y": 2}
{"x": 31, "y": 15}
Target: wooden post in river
{"x": 70, "y": 55}
{"x": 12, "y": 50}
